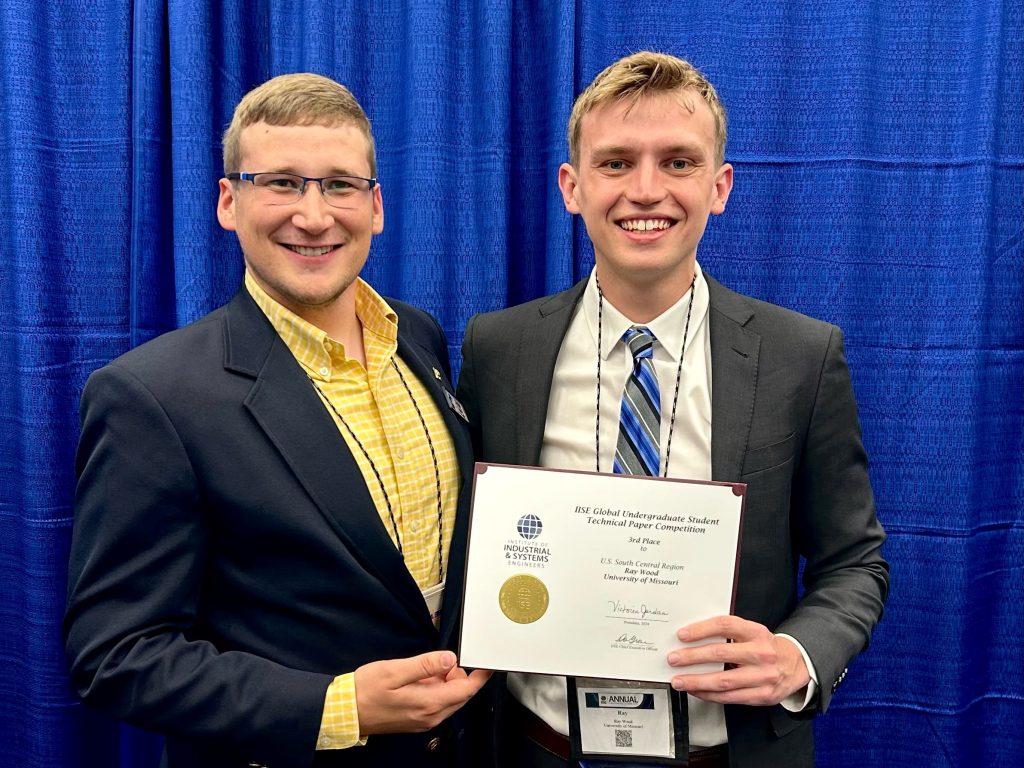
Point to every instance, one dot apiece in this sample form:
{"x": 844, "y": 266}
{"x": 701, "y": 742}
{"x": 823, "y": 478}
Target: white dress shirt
{"x": 570, "y": 443}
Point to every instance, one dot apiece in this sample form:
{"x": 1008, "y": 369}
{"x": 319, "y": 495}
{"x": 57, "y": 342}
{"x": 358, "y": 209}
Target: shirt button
{"x": 399, "y": 454}
{"x": 415, "y": 527}
{"x": 433, "y": 744}
{"x": 325, "y": 741}
{"x": 324, "y": 371}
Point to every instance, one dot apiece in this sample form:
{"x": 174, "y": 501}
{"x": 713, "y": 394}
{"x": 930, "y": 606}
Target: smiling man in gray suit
{"x": 743, "y": 391}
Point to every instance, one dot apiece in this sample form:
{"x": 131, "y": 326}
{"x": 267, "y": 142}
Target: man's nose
{"x": 312, "y": 212}
{"x": 646, "y": 185}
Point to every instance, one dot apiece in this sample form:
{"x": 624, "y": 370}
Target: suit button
{"x": 434, "y": 744}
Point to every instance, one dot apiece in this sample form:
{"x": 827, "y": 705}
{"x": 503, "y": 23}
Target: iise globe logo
{"x": 529, "y": 526}
{"x": 531, "y": 553}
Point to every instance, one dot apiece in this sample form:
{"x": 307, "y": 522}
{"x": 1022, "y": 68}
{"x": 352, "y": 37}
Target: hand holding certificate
{"x": 579, "y": 573}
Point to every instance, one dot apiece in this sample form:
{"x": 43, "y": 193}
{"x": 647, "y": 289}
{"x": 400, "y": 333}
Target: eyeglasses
{"x": 288, "y": 188}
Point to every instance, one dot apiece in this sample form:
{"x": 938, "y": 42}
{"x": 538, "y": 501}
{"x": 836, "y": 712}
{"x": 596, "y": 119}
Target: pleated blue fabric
{"x": 878, "y": 151}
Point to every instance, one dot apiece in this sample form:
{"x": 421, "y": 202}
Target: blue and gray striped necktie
{"x": 637, "y": 451}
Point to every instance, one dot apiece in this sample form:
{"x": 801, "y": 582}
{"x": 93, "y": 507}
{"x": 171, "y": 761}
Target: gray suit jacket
{"x": 784, "y": 421}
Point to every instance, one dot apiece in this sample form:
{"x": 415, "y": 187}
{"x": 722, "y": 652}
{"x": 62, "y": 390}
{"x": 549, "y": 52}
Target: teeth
{"x": 644, "y": 225}
{"x": 304, "y": 251}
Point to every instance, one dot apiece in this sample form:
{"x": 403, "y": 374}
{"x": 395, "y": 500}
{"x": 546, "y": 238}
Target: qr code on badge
{"x": 623, "y": 739}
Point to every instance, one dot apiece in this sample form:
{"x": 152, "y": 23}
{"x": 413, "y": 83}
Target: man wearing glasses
{"x": 270, "y": 499}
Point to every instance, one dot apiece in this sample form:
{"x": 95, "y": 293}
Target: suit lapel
{"x": 540, "y": 340}
{"x": 430, "y": 372}
{"x": 734, "y": 361}
{"x": 734, "y": 364}
{"x": 286, "y": 406}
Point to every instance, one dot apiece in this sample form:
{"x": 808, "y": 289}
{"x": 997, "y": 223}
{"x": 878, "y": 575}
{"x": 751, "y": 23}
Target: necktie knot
{"x": 640, "y": 341}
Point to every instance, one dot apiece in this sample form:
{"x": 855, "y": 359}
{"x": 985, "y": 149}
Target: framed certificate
{"x": 591, "y": 574}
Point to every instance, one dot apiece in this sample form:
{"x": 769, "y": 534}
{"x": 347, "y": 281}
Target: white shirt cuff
{"x": 801, "y": 699}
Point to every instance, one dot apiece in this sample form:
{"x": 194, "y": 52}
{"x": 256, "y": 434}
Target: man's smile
{"x": 311, "y": 251}
{"x": 645, "y": 225}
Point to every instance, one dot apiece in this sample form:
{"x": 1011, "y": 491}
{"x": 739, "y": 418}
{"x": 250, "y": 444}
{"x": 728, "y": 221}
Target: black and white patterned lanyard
{"x": 679, "y": 376}
{"x": 380, "y": 481}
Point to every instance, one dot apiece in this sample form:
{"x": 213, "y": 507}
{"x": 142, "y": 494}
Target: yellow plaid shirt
{"x": 378, "y": 409}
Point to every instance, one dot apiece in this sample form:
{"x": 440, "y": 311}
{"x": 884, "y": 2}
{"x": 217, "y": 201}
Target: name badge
{"x": 434, "y": 598}
{"x": 617, "y": 720}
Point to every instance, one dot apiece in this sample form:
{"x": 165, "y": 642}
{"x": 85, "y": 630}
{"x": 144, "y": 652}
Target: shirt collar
{"x": 311, "y": 345}
{"x": 668, "y": 327}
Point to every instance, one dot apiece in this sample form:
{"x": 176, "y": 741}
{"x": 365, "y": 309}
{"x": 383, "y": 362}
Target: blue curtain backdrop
{"x": 879, "y": 154}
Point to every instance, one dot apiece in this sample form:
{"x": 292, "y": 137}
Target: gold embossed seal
{"x": 523, "y": 598}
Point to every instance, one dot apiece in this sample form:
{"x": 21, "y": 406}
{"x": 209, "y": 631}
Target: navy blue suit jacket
{"x": 227, "y": 559}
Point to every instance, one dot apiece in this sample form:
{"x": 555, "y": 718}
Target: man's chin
{"x": 315, "y": 299}
{"x": 645, "y": 270}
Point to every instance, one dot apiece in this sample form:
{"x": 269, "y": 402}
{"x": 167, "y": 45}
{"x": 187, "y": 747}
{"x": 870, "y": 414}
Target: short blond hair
{"x": 643, "y": 74}
{"x": 297, "y": 99}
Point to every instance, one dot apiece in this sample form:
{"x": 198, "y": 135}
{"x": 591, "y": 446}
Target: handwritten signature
{"x": 632, "y": 640}
{"x": 619, "y": 608}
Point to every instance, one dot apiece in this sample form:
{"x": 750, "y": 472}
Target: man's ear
{"x": 723, "y": 186}
{"x": 226, "y": 205}
{"x": 378, "y": 210}
{"x": 568, "y": 182}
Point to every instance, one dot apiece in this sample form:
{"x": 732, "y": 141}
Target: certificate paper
{"x": 588, "y": 574}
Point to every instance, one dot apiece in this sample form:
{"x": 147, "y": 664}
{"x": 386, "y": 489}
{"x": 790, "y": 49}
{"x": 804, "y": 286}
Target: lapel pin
{"x": 455, "y": 405}
{"x": 437, "y": 374}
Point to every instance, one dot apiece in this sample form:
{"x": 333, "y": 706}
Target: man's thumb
{"x": 437, "y": 663}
